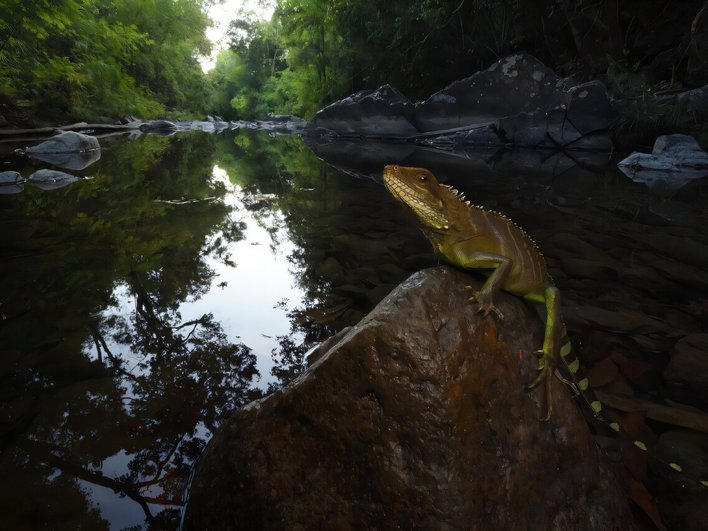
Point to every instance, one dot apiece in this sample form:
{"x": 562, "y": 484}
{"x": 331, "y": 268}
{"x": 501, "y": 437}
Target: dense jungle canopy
{"x": 81, "y": 59}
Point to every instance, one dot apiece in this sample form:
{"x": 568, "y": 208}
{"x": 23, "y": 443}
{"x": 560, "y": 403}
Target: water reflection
{"x": 192, "y": 273}
{"x": 117, "y": 363}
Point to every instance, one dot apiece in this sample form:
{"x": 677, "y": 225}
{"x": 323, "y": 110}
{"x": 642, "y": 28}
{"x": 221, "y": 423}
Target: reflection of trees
{"x": 345, "y": 259}
{"x": 95, "y": 392}
{"x": 289, "y": 361}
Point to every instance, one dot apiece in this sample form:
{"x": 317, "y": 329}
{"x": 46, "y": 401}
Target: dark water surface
{"x": 190, "y": 274}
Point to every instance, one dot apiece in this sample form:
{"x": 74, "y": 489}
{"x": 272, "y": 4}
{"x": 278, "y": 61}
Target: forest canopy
{"x": 89, "y": 58}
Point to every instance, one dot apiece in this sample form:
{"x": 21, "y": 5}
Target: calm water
{"x": 190, "y": 274}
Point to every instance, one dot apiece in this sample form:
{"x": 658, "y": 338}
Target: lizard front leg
{"x": 500, "y": 266}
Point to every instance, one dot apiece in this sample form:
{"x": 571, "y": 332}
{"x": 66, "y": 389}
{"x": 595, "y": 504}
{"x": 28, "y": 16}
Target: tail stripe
{"x": 574, "y": 366}
{"x": 566, "y": 349}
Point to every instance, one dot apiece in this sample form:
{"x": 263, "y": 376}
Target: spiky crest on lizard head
{"x": 419, "y": 190}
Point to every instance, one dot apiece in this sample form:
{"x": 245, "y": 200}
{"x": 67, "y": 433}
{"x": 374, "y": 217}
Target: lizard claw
{"x": 484, "y": 300}
{"x": 544, "y": 375}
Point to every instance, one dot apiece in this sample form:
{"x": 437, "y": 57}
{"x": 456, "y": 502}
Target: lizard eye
{"x": 422, "y": 177}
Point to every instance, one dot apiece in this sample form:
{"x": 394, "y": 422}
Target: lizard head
{"x": 419, "y": 190}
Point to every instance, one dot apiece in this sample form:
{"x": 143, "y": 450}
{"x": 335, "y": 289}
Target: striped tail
{"x": 581, "y": 385}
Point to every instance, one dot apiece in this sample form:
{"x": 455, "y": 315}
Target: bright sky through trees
{"x": 222, "y": 15}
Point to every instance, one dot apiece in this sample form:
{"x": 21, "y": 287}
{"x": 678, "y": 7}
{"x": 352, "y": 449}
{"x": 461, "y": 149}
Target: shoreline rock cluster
{"x": 518, "y": 101}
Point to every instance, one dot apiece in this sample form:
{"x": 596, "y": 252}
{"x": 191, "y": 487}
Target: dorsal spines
{"x": 456, "y": 195}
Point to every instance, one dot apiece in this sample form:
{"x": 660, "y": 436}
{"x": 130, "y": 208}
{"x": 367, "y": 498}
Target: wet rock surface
{"x": 416, "y": 418}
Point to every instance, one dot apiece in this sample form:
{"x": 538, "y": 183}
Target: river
{"x": 188, "y": 275}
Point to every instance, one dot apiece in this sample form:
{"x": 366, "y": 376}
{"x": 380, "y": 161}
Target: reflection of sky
{"x": 246, "y": 299}
{"x": 246, "y": 306}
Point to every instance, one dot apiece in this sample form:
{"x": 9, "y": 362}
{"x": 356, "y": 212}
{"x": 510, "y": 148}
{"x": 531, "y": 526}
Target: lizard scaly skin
{"x": 471, "y": 237}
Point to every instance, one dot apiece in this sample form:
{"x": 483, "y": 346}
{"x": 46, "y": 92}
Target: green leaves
{"x": 86, "y": 58}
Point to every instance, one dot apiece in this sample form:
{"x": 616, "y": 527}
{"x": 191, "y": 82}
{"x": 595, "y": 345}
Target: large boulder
{"x": 516, "y": 84}
{"x": 381, "y": 112}
{"x": 417, "y": 417}
{"x": 516, "y": 101}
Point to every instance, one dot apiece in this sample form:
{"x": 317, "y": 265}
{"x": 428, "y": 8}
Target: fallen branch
{"x": 676, "y": 415}
{"x": 79, "y": 126}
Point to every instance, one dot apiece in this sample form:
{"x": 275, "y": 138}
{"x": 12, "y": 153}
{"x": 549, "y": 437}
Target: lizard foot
{"x": 485, "y": 302}
{"x": 544, "y": 375}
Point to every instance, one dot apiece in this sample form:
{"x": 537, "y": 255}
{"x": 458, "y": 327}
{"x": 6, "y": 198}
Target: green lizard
{"x": 471, "y": 237}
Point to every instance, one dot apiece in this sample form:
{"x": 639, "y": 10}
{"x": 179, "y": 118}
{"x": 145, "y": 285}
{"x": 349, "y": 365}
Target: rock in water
{"x": 383, "y": 112}
{"x": 675, "y": 161}
{"x": 66, "y": 142}
{"x": 51, "y": 179}
{"x": 71, "y": 150}
{"x": 517, "y": 101}
{"x": 159, "y": 127}
{"x": 417, "y": 418}
{"x": 11, "y": 182}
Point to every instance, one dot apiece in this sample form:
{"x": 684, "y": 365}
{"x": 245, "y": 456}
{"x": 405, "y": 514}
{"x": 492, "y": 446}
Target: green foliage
{"x": 315, "y": 51}
{"x": 86, "y": 58}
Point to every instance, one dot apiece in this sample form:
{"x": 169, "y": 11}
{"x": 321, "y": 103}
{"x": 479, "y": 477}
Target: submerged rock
{"x": 51, "y": 179}
{"x": 675, "y": 161}
{"x": 416, "y": 418}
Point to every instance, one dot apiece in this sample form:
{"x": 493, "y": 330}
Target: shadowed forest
{"x": 86, "y": 59}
